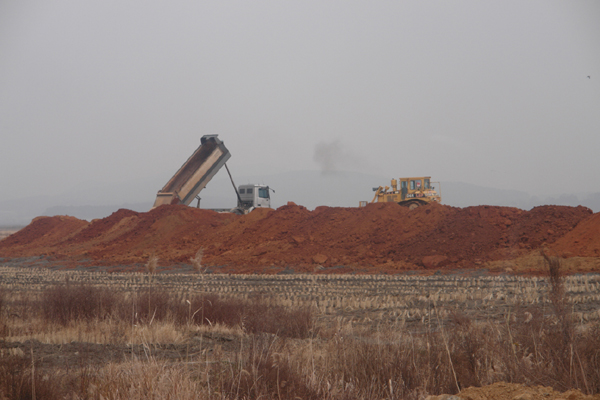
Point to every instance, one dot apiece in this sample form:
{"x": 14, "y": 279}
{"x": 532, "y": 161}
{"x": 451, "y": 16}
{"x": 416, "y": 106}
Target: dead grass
{"x": 152, "y": 264}
{"x": 253, "y": 348}
{"x": 3, "y": 316}
{"x": 255, "y": 316}
{"x": 63, "y": 304}
{"x": 69, "y": 304}
{"x": 197, "y": 261}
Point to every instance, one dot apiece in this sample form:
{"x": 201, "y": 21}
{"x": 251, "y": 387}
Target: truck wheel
{"x": 413, "y": 205}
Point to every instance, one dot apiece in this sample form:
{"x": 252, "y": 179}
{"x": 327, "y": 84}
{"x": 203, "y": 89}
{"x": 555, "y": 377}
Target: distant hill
{"x": 311, "y": 189}
{"x": 94, "y": 212}
{"x": 460, "y": 194}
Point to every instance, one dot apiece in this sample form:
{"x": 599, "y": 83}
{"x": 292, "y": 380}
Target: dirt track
{"x": 378, "y": 238}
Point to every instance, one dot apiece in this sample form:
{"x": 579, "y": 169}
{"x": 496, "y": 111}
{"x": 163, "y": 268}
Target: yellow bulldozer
{"x": 408, "y": 192}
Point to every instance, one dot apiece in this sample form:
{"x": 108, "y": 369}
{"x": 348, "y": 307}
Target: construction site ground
{"x": 378, "y": 263}
{"x": 379, "y": 238}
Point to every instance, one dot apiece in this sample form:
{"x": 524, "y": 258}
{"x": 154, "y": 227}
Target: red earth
{"x": 376, "y": 238}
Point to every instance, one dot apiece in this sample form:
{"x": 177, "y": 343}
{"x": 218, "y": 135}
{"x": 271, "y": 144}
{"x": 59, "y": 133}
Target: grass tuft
{"x": 152, "y": 264}
{"x": 197, "y": 261}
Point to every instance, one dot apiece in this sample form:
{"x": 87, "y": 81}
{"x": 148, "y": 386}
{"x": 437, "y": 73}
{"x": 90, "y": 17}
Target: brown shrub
{"x": 65, "y": 303}
{"x": 254, "y": 316}
{"x": 153, "y": 305}
{"x": 3, "y": 316}
{"x": 19, "y": 381}
{"x": 265, "y": 372}
{"x": 469, "y": 346}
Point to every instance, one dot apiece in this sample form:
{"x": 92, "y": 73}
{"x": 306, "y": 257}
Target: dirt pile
{"x": 380, "y": 236}
{"x": 583, "y": 241}
{"x": 42, "y": 233}
{"x": 513, "y": 391}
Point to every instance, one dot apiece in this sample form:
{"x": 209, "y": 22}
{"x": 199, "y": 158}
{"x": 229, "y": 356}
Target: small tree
{"x": 151, "y": 268}
{"x": 197, "y": 265}
{"x": 151, "y": 264}
{"x": 197, "y": 261}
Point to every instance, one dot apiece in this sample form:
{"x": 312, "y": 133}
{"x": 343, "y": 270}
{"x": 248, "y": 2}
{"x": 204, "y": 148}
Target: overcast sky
{"x": 500, "y": 93}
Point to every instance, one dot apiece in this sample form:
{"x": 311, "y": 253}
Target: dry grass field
{"x": 95, "y": 335}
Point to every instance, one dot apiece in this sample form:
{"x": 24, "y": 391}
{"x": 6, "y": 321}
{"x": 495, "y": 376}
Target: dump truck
{"x": 408, "y": 192}
{"x": 199, "y": 169}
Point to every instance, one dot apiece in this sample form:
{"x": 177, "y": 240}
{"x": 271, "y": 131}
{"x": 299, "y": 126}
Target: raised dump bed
{"x": 195, "y": 173}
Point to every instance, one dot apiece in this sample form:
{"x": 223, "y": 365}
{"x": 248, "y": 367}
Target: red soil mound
{"x": 512, "y": 391}
{"x": 380, "y": 236}
{"x": 41, "y": 233}
{"x": 583, "y": 241}
{"x": 100, "y": 227}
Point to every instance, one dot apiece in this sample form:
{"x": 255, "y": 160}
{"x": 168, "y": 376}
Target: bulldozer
{"x": 408, "y": 192}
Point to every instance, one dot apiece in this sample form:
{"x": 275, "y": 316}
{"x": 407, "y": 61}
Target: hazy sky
{"x": 485, "y": 92}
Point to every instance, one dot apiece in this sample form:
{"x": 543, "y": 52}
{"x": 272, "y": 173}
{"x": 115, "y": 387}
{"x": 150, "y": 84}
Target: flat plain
{"x": 359, "y": 298}
{"x": 228, "y": 336}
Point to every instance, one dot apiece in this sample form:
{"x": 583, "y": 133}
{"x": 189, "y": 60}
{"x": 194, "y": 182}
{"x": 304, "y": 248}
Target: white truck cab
{"x": 254, "y": 196}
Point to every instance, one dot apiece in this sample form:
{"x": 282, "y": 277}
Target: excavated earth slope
{"x": 376, "y": 238}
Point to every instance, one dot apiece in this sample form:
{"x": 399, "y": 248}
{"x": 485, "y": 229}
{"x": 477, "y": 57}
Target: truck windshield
{"x": 263, "y": 192}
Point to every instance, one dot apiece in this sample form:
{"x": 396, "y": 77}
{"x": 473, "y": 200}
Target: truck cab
{"x": 254, "y": 196}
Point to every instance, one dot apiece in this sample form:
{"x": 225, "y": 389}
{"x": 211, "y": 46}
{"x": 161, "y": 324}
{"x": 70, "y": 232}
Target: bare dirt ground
{"x": 77, "y": 355}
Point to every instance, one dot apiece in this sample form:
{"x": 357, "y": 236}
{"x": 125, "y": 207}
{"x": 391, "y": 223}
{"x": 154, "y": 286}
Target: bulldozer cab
{"x": 415, "y": 184}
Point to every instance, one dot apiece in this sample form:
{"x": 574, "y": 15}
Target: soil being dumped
{"x": 375, "y": 238}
